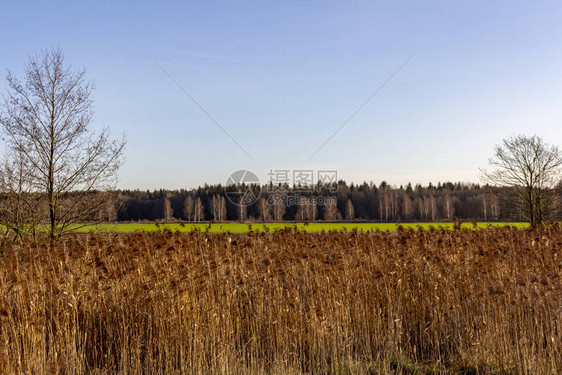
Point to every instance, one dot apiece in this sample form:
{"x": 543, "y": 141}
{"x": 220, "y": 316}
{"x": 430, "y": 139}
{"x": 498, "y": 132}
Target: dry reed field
{"x": 407, "y": 302}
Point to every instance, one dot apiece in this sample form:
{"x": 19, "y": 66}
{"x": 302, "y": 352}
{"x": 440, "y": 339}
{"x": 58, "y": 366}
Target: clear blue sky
{"x": 282, "y": 76}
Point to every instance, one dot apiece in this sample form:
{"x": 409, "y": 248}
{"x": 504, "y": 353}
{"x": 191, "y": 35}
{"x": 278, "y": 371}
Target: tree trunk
{"x": 51, "y": 178}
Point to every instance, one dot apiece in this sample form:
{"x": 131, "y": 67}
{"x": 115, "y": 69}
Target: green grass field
{"x": 312, "y": 227}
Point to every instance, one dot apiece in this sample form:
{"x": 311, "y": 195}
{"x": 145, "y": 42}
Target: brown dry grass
{"x": 412, "y": 302}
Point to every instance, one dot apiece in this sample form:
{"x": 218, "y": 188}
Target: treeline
{"x": 367, "y": 201}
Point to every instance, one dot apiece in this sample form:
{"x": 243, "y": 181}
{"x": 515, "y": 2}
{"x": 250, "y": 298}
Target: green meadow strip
{"x": 262, "y": 227}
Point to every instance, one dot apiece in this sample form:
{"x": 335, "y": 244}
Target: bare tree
{"x": 490, "y": 205}
{"x": 306, "y": 210}
{"x": 381, "y": 206}
{"x": 279, "y": 209}
{"x": 198, "y": 210}
{"x": 222, "y": 209}
{"x": 167, "y": 211}
{"x": 300, "y": 215}
{"x": 242, "y": 209}
{"x": 215, "y": 207}
{"x": 276, "y": 200}
{"x": 406, "y": 206}
{"x": 418, "y": 202}
{"x": 46, "y": 119}
{"x": 432, "y": 202}
{"x": 485, "y": 203}
{"x": 188, "y": 208}
{"x": 393, "y": 203}
{"x": 218, "y": 207}
{"x": 264, "y": 209}
{"x": 448, "y": 206}
{"x": 530, "y": 171}
{"x": 495, "y": 207}
{"x": 109, "y": 211}
{"x": 349, "y": 210}
{"x": 425, "y": 206}
{"x": 330, "y": 210}
{"x": 311, "y": 209}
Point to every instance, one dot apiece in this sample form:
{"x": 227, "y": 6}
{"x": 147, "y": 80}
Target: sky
{"x": 446, "y": 80}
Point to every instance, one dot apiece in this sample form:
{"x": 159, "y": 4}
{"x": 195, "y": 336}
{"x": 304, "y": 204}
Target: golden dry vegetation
{"x": 412, "y": 302}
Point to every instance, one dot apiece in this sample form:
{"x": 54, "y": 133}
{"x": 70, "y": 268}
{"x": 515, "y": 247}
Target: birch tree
{"x": 47, "y": 119}
{"x": 530, "y": 172}
{"x": 188, "y": 208}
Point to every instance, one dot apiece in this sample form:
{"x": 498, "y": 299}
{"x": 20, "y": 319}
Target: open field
{"x": 311, "y": 227}
{"x": 407, "y": 302}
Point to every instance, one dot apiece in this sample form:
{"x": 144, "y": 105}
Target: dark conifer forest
{"x": 360, "y": 202}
